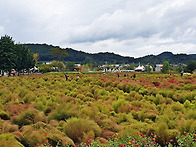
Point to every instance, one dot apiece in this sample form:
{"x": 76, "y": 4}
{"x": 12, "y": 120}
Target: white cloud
{"x": 126, "y": 27}
{"x": 2, "y": 30}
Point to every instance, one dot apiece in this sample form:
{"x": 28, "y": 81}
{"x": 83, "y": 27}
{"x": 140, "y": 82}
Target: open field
{"x": 40, "y": 109}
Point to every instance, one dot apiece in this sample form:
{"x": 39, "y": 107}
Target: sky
{"x": 133, "y": 28}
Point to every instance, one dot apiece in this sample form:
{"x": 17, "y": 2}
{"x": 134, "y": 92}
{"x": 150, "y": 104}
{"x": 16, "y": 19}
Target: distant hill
{"x": 75, "y": 56}
{"x": 167, "y": 56}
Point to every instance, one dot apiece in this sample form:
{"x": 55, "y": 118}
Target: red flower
{"x": 121, "y": 145}
{"x": 47, "y": 140}
{"x": 129, "y": 142}
{"x": 137, "y": 145}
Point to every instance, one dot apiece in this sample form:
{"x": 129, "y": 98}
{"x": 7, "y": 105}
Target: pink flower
{"x": 85, "y": 144}
{"x": 90, "y": 140}
{"x": 171, "y": 140}
{"x": 133, "y": 141}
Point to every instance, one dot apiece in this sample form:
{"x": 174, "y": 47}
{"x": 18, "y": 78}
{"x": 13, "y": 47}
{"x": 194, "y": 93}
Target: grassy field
{"x": 98, "y": 109}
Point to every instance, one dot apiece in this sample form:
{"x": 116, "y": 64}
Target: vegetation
{"x": 75, "y": 56}
{"x": 70, "y": 66}
{"x": 165, "y": 67}
{"x": 14, "y": 56}
{"x": 59, "y": 53}
{"x": 53, "y": 66}
{"x": 98, "y": 109}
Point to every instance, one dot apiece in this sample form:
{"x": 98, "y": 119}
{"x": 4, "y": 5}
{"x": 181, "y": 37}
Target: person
{"x": 66, "y": 76}
{"x": 182, "y": 72}
{"x": 118, "y": 75}
{"x": 134, "y": 75}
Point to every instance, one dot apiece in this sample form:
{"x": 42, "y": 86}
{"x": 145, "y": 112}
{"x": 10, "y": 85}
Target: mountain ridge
{"x": 45, "y": 54}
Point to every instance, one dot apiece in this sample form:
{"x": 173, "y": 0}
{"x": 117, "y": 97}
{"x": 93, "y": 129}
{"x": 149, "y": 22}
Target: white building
{"x": 158, "y": 67}
{"x": 140, "y": 68}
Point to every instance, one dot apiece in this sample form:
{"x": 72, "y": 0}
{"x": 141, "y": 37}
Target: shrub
{"x": 29, "y": 97}
{"x": 188, "y": 104}
{"x": 13, "y": 98}
{"x": 186, "y": 125}
{"x": 122, "y": 117}
{"x": 7, "y": 127}
{"x": 157, "y": 99}
{"x": 177, "y": 107}
{"x": 190, "y": 114}
{"x": 166, "y": 101}
{"x": 63, "y": 112}
{"x": 23, "y": 92}
{"x": 77, "y": 129}
{"x": 8, "y": 140}
{"x": 29, "y": 116}
{"x": 108, "y": 124}
{"x": 125, "y": 108}
{"x": 4, "y": 115}
{"x": 118, "y": 103}
{"x": 33, "y": 138}
{"x": 162, "y": 134}
{"x": 17, "y": 109}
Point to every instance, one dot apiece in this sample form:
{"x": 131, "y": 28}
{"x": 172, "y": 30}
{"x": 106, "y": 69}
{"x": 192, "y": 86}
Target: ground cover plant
{"x": 98, "y": 110}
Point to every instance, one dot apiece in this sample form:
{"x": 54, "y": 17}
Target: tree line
{"x": 14, "y": 56}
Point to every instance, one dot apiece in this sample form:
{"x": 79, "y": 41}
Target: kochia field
{"x": 40, "y": 109}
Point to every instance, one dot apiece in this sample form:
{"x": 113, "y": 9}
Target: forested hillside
{"x": 45, "y": 54}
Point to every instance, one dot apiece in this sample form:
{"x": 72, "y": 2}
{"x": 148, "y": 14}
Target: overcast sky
{"x": 127, "y": 27}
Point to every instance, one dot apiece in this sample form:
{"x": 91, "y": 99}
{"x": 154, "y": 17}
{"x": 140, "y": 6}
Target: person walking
{"x": 66, "y": 77}
{"x": 181, "y": 73}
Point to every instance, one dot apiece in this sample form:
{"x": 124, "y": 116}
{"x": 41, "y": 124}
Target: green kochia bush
{"x": 63, "y": 112}
{"x": 8, "y": 140}
{"x": 42, "y": 133}
{"x": 29, "y": 116}
{"x": 4, "y": 115}
{"x": 118, "y": 103}
{"x": 79, "y": 129}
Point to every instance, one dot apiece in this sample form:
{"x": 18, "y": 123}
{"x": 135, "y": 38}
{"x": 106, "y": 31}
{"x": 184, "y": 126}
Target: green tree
{"x": 59, "y": 65}
{"x": 53, "y": 66}
{"x": 191, "y": 66}
{"x": 36, "y": 58}
{"x": 165, "y": 68}
{"x": 59, "y": 53}
{"x": 148, "y": 68}
{"x": 70, "y": 66}
{"x": 7, "y": 53}
{"x": 30, "y": 62}
{"x": 180, "y": 68}
{"x": 24, "y": 59}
